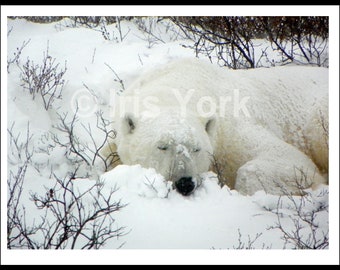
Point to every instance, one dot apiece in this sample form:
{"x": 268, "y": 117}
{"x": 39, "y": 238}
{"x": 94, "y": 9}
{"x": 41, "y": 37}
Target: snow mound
{"x": 144, "y": 182}
{"x": 157, "y": 216}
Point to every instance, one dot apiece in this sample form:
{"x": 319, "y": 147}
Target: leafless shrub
{"x": 75, "y": 223}
{"x": 219, "y": 168}
{"x": 80, "y": 152}
{"x": 249, "y": 244}
{"x": 69, "y": 218}
{"x": 86, "y": 21}
{"x": 306, "y": 211}
{"x": 230, "y": 40}
{"x": 104, "y": 126}
{"x": 122, "y": 35}
{"x": 155, "y": 29}
{"x": 45, "y": 79}
{"x": 38, "y": 19}
{"x": 151, "y": 185}
{"x": 117, "y": 78}
{"x": 111, "y": 35}
{"x": 298, "y": 39}
{"x": 148, "y": 27}
{"x": 301, "y": 181}
{"x": 94, "y": 21}
{"x": 304, "y": 231}
{"x": 99, "y": 24}
{"x": 9, "y": 31}
{"x": 313, "y": 49}
{"x": 19, "y": 150}
{"x": 17, "y": 55}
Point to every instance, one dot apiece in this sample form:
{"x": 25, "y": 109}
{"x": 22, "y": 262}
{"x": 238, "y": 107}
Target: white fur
{"x": 259, "y": 124}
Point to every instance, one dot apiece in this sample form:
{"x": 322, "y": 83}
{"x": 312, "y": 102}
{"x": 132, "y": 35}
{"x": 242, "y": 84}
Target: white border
{"x": 170, "y": 10}
{"x": 185, "y": 257}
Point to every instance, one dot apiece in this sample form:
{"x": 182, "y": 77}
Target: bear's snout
{"x": 185, "y": 185}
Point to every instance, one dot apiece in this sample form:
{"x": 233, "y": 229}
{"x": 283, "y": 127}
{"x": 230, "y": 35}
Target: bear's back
{"x": 278, "y": 98}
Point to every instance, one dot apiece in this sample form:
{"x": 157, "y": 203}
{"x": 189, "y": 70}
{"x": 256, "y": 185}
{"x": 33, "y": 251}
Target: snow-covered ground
{"x": 154, "y": 217}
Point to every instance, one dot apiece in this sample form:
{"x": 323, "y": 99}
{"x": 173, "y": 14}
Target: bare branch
{"x": 117, "y": 78}
{"x": 303, "y": 231}
{"x": 17, "y": 54}
{"x": 45, "y": 79}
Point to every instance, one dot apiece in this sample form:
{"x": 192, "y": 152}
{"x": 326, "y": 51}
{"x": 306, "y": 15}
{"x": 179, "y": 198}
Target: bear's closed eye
{"x": 163, "y": 147}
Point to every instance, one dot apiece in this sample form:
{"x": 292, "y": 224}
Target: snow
{"x": 155, "y": 217}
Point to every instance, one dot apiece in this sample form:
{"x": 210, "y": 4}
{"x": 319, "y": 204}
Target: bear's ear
{"x": 210, "y": 126}
{"x": 129, "y": 124}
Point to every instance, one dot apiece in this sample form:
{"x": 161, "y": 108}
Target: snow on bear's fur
{"x": 266, "y": 128}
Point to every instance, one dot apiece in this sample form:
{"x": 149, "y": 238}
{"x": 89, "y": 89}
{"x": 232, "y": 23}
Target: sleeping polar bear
{"x": 260, "y": 129}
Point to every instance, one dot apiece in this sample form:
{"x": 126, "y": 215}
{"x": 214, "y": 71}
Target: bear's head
{"x": 180, "y": 148}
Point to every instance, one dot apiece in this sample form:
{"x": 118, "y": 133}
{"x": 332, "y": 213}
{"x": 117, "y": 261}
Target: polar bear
{"x": 259, "y": 129}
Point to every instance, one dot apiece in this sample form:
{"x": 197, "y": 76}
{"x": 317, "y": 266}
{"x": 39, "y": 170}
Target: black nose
{"x": 185, "y": 185}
